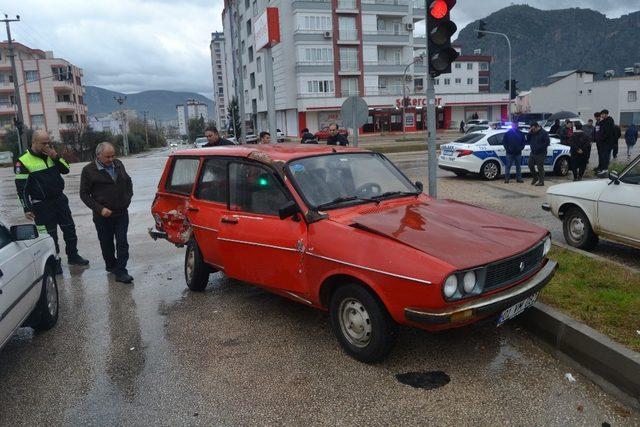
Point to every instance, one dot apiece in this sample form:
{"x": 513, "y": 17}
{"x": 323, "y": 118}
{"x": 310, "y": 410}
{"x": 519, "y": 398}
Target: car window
{"x": 183, "y": 176}
{"x": 254, "y": 189}
{"x": 471, "y": 138}
{"x": 496, "y": 139}
{"x": 633, "y": 175}
{"x": 5, "y": 236}
{"x": 213, "y": 184}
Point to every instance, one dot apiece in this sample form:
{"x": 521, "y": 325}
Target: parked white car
{"x": 28, "y": 287}
{"x": 607, "y": 208}
{"x": 475, "y": 122}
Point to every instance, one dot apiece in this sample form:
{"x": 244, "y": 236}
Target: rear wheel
{"x": 45, "y": 315}
{"x": 196, "y": 271}
{"x": 361, "y": 324}
{"x": 561, "y": 167}
{"x": 578, "y": 231}
{"x": 490, "y": 170}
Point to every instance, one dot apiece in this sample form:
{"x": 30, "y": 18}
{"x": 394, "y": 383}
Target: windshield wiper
{"x": 395, "y": 193}
{"x": 340, "y": 200}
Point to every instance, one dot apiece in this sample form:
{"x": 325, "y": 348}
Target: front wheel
{"x": 578, "y": 231}
{"x": 45, "y": 315}
{"x": 561, "y": 167}
{"x": 361, "y": 324}
{"x": 196, "y": 271}
{"x": 490, "y": 171}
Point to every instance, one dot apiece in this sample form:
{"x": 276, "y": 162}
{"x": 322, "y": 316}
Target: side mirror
{"x": 419, "y": 185}
{"x": 288, "y": 210}
{"x": 24, "y": 232}
{"x": 614, "y": 177}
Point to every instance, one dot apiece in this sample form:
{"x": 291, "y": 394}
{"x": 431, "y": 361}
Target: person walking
{"x": 335, "y": 137}
{"x": 609, "y": 138}
{"x": 214, "y": 139}
{"x": 40, "y": 188}
{"x": 555, "y": 127}
{"x": 265, "y": 138}
{"x": 514, "y": 142}
{"x": 462, "y": 126}
{"x": 580, "y": 152}
{"x": 631, "y": 137}
{"x": 307, "y": 137}
{"x": 538, "y": 140}
{"x": 107, "y": 189}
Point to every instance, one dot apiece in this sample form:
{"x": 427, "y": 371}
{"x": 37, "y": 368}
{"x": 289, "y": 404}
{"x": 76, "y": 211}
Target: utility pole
{"x": 146, "y": 132}
{"x": 125, "y": 137}
{"x": 481, "y": 32}
{"x": 19, "y": 119}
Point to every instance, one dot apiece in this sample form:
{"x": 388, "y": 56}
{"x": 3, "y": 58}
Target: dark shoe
{"x": 78, "y": 260}
{"x": 124, "y": 278}
{"x": 58, "y": 266}
{"x": 520, "y": 181}
{"x": 506, "y": 181}
{"x": 540, "y": 184}
{"x": 110, "y": 269}
{"x": 535, "y": 180}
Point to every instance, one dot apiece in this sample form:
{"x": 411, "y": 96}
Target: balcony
{"x": 6, "y": 86}
{"x": 347, "y": 7}
{"x": 387, "y": 37}
{"x": 8, "y": 108}
{"x": 312, "y": 4}
{"x": 392, "y": 7}
{"x": 62, "y": 84}
{"x": 314, "y": 66}
{"x": 306, "y": 35}
{"x": 419, "y": 9}
{"x": 65, "y": 106}
{"x": 68, "y": 127}
{"x": 349, "y": 68}
{"x": 348, "y": 37}
{"x": 385, "y": 67}
{"x": 385, "y": 91}
{"x": 316, "y": 95}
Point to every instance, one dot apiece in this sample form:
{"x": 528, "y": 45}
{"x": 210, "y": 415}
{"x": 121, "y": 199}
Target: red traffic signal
{"x": 439, "y": 9}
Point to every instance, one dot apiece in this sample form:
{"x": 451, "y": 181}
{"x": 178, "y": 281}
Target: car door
{"x": 256, "y": 245}
{"x": 495, "y": 142}
{"x": 17, "y": 278}
{"x": 619, "y": 206}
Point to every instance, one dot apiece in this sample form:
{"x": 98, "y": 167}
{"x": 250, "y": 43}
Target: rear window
{"x": 183, "y": 175}
{"x": 471, "y": 138}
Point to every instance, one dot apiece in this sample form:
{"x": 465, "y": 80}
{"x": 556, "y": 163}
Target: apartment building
{"x": 191, "y": 109}
{"x": 332, "y": 49}
{"x": 220, "y": 81}
{"x": 50, "y": 90}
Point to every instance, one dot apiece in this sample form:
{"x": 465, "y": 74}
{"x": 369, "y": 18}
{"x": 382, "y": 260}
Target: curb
{"x": 594, "y": 256}
{"x": 610, "y": 365}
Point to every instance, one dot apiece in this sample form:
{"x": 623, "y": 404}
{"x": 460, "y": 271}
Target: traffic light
{"x": 440, "y": 29}
{"x": 481, "y": 28}
{"x": 514, "y": 88}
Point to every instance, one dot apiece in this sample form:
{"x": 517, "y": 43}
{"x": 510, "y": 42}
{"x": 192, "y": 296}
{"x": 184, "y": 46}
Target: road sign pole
{"x": 355, "y": 128}
{"x": 432, "y": 161}
{"x": 271, "y": 94}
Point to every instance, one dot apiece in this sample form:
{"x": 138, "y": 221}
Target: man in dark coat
{"x": 214, "y": 139}
{"x": 631, "y": 137}
{"x": 615, "y": 145}
{"x": 335, "y": 137}
{"x": 580, "y": 152}
{"x": 555, "y": 127}
{"x": 307, "y": 137}
{"x": 514, "y": 142}
{"x": 538, "y": 140}
{"x": 609, "y": 137}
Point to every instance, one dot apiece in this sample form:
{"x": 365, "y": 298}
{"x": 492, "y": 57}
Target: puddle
{"x": 426, "y": 380}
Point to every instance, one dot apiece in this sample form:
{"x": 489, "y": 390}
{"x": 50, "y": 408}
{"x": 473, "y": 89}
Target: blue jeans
{"x": 513, "y": 159}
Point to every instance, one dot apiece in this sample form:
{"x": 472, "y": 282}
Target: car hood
{"x": 462, "y": 235}
{"x": 584, "y": 189}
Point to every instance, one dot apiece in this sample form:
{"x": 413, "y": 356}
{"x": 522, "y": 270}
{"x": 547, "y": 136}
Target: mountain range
{"x": 160, "y": 104}
{"x": 545, "y": 42}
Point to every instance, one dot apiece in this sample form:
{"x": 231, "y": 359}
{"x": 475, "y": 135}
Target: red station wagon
{"x": 343, "y": 230}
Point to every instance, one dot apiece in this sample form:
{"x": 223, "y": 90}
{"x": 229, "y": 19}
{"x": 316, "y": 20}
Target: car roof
{"x": 278, "y": 152}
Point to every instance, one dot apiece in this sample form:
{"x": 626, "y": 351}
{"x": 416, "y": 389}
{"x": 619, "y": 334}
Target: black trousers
{"x": 537, "y": 161}
{"x": 579, "y": 165}
{"x": 604, "y": 156}
{"x": 110, "y": 229}
{"x": 53, "y": 213}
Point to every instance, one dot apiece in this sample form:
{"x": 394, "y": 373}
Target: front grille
{"x": 509, "y": 271}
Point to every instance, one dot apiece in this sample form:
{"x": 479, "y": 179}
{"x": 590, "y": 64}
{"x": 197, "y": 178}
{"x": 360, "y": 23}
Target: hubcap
{"x": 355, "y": 322}
{"x": 52, "y": 295}
{"x": 576, "y": 229}
{"x": 491, "y": 171}
{"x": 564, "y": 167}
{"x": 191, "y": 262}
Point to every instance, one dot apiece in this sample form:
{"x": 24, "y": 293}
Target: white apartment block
{"x": 579, "y": 92}
{"x": 192, "y": 109}
{"x": 220, "y": 81}
{"x": 332, "y": 49}
{"x": 51, "y": 98}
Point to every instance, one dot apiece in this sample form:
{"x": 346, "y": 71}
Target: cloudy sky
{"x": 135, "y": 45}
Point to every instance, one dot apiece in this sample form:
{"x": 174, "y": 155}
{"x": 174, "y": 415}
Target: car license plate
{"x": 447, "y": 152}
{"x": 517, "y": 309}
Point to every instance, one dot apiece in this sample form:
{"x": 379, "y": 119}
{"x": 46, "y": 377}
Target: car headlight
{"x": 547, "y": 246}
{"x": 469, "y": 281}
{"x": 451, "y": 286}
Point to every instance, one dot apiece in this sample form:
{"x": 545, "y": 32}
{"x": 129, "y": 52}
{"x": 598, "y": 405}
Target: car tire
{"x": 45, "y": 315}
{"x": 461, "y": 173}
{"x": 196, "y": 271}
{"x": 562, "y": 166}
{"x": 361, "y": 323}
{"x": 578, "y": 231}
{"x": 490, "y": 171}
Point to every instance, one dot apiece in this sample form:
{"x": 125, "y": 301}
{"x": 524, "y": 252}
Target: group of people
{"x": 604, "y": 132}
{"x": 105, "y": 187}
{"x": 335, "y": 137}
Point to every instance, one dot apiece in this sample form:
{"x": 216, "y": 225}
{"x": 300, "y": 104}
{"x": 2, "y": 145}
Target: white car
{"x": 200, "y": 142}
{"x": 575, "y": 120}
{"x": 608, "y": 208}
{"x": 482, "y": 153}
{"x": 28, "y": 287}
{"x": 475, "y": 122}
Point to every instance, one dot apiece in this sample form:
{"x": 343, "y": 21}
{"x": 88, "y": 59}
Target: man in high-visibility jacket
{"x": 40, "y": 189}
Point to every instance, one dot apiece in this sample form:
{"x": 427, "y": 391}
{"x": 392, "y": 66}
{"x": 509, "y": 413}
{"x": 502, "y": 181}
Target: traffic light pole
{"x": 432, "y": 160}
{"x": 510, "y": 72}
{"x": 21, "y": 134}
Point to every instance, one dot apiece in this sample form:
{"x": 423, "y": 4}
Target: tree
{"x": 196, "y": 128}
{"x": 234, "y": 115}
{"x": 10, "y": 141}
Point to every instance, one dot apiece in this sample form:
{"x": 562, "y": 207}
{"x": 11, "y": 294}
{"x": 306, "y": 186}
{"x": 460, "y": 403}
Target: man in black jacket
{"x": 335, "y": 137}
{"x": 609, "y": 140}
{"x": 106, "y": 188}
{"x": 40, "y": 188}
{"x": 513, "y": 142}
{"x": 538, "y": 140}
{"x": 214, "y": 139}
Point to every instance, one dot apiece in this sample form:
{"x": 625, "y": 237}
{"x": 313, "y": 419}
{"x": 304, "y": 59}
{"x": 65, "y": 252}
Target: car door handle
{"x": 227, "y": 220}
{"x": 193, "y": 209}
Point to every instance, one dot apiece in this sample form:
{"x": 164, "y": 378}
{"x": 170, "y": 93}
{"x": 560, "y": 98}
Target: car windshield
{"x": 335, "y": 180}
{"x": 470, "y": 138}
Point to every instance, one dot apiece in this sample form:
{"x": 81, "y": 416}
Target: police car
{"x": 482, "y": 153}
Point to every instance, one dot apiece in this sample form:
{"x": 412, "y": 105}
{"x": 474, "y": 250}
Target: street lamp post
{"x": 404, "y": 96}
{"x": 510, "y": 72}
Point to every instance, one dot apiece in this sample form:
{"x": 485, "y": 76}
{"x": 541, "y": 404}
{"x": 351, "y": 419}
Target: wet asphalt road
{"x": 155, "y": 353}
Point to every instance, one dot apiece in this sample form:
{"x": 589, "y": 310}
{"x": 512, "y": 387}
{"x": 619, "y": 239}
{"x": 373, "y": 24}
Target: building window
{"x": 348, "y": 59}
{"x": 34, "y": 97}
{"x": 250, "y": 53}
{"x": 632, "y": 96}
{"x": 248, "y": 27}
{"x": 458, "y": 65}
{"x": 347, "y": 28}
{"x": 259, "y": 64}
{"x": 469, "y": 81}
{"x": 437, "y": 82}
{"x": 349, "y": 86}
{"x": 320, "y": 86}
{"x": 447, "y": 82}
{"x": 260, "y": 93}
{"x": 31, "y": 76}
{"x": 252, "y": 78}
{"x": 483, "y": 81}
{"x": 37, "y": 121}
{"x": 318, "y": 54}
{"x": 317, "y": 23}
{"x": 470, "y": 66}
{"x": 458, "y": 81}
{"x": 484, "y": 66}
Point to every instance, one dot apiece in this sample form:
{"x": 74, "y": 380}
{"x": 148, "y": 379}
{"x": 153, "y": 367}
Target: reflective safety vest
{"x": 38, "y": 178}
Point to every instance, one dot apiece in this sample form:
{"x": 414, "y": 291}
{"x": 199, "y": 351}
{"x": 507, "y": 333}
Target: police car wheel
{"x": 562, "y": 167}
{"x": 490, "y": 171}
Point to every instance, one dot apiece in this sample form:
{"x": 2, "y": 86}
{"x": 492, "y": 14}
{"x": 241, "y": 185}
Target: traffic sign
{"x": 354, "y": 113}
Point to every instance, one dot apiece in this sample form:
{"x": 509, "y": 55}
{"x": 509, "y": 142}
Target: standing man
{"x": 462, "y": 126}
{"x": 106, "y": 188}
{"x": 555, "y": 127}
{"x": 514, "y": 142}
{"x": 609, "y": 137}
{"x": 599, "y": 141}
{"x": 589, "y": 130}
{"x": 631, "y": 137}
{"x": 214, "y": 139}
{"x": 580, "y": 152}
{"x": 265, "y": 138}
{"x": 40, "y": 188}
{"x": 336, "y": 138}
{"x": 615, "y": 145}
{"x": 566, "y": 132}
{"x": 308, "y": 137}
{"x": 538, "y": 140}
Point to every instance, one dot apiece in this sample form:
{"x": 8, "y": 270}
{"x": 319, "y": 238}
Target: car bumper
{"x": 478, "y": 309}
{"x": 546, "y": 207}
{"x": 156, "y": 234}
